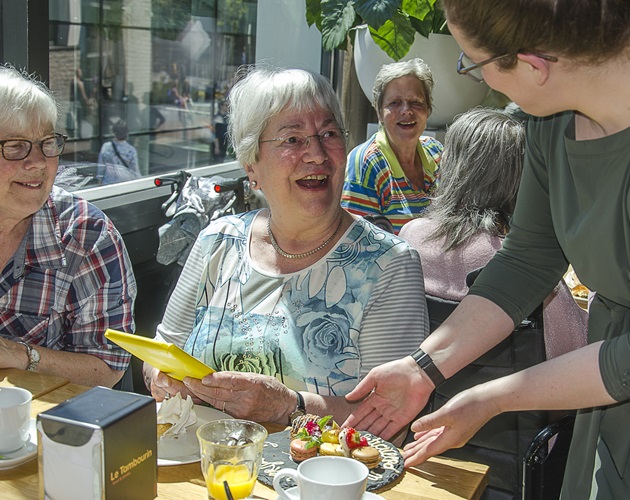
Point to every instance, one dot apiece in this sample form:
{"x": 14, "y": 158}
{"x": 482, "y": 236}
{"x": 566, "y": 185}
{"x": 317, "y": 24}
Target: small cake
{"x": 330, "y": 450}
{"x": 331, "y": 435}
{"x": 368, "y": 455}
{"x": 349, "y": 439}
{"x": 299, "y": 451}
{"x": 301, "y": 422}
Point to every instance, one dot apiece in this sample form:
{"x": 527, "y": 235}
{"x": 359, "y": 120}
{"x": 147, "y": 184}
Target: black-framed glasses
{"x": 333, "y": 139}
{"x": 473, "y": 70}
{"x": 18, "y": 149}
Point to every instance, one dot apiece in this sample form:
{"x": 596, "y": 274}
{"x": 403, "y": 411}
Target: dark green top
{"x": 573, "y": 207}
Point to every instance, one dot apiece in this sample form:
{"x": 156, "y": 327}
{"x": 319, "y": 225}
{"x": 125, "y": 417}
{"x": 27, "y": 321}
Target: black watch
{"x": 300, "y": 409}
{"x": 424, "y": 361}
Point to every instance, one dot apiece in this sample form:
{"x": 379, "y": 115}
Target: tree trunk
{"x": 357, "y": 109}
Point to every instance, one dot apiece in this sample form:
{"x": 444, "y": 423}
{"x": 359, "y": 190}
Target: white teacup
{"x": 15, "y": 416}
{"x": 325, "y": 478}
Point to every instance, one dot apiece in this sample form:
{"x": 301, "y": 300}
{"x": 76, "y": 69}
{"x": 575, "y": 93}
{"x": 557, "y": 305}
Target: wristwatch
{"x": 424, "y": 361}
{"x": 33, "y": 356}
{"x": 300, "y": 409}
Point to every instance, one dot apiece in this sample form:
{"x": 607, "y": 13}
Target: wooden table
{"x": 437, "y": 479}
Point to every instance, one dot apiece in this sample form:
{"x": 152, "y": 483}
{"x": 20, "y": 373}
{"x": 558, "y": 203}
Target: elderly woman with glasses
{"x": 394, "y": 173}
{"x": 66, "y": 276}
{"x": 295, "y": 303}
{"x": 568, "y": 63}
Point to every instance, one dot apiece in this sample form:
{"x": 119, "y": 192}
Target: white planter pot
{"x": 452, "y": 93}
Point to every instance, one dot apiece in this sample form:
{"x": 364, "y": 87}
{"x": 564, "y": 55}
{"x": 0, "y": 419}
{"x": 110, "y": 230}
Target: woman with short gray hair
{"x": 394, "y": 173}
{"x": 292, "y": 304}
{"x": 66, "y": 275}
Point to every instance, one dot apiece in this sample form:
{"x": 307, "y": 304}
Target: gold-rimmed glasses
{"x": 18, "y": 149}
{"x": 333, "y": 139}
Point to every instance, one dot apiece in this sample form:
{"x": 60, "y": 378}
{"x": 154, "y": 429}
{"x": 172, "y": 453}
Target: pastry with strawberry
{"x": 349, "y": 439}
{"x": 356, "y": 446}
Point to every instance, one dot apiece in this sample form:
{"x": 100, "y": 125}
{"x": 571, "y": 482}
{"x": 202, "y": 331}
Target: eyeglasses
{"x": 18, "y": 149}
{"x": 333, "y": 139}
{"x": 473, "y": 70}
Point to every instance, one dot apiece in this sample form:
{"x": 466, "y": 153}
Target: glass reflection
{"x": 164, "y": 67}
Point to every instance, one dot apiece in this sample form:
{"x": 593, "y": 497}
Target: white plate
{"x": 24, "y": 454}
{"x": 184, "y": 449}
{"x": 368, "y": 495}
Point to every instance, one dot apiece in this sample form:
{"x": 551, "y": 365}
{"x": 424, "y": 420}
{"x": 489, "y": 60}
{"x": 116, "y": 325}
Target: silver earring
{"x": 253, "y": 184}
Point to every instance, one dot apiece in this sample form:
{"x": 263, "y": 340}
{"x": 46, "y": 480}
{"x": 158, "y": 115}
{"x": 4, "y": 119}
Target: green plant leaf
{"x": 314, "y": 13}
{"x": 395, "y": 37}
{"x": 338, "y": 16}
{"x": 418, "y": 8}
{"x": 433, "y": 22}
{"x": 377, "y": 12}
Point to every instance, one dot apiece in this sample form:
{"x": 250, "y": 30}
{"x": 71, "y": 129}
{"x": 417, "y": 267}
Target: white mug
{"x": 15, "y": 416}
{"x": 325, "y": 478}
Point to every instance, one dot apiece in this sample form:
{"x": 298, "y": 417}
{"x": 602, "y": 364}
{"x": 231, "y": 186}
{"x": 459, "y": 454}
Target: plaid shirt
{"x": 69, "y": 280}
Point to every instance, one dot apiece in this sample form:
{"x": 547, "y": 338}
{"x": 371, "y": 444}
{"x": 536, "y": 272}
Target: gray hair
{"x": 263, "y": 93}
{"x": 25, "y": 103}
{"x": 389, "y": 72}
{"x": 480, "y": 172}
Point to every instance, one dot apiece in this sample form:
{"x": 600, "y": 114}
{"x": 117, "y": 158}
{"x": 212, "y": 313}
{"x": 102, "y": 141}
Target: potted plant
{"x": 401, "y": 29}
{"x": 393, "y": 24}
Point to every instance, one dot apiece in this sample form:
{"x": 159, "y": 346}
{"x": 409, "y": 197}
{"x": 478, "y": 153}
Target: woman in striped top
{"x": 396, "y": 170}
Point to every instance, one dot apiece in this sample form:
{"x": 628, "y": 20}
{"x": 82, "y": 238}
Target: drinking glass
{"x": 231, "y": 450}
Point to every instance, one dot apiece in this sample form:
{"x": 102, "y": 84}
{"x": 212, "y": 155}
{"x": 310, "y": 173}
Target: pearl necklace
{"x": 287, "y": 255}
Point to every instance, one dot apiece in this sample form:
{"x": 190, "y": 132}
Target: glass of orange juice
{"x": 231, "y": 450}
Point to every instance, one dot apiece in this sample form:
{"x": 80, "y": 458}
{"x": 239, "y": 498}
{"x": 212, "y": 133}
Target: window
{"x": 159, "y": 68}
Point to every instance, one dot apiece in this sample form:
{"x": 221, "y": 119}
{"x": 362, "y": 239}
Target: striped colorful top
{"x": 376, "y": 184}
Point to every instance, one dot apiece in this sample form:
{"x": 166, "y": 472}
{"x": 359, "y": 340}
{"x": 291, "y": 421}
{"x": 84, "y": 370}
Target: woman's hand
{"x": 162, "y": 386}
{"x": 396, "y": 392}
{"x": 449, "y": 427}
{"x": 246, "y": 395}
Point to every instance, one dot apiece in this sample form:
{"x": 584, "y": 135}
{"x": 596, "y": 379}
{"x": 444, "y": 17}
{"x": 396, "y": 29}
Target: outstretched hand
{"x": 394, "y": 393}
{"x": 449, "y": 427}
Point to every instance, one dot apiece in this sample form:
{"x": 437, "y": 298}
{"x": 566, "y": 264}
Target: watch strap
{"x": 300, "y": 408}
{"x": 301, "y": 405}
{"x": 424, "y": 361}
{"x": 33, "y": 356}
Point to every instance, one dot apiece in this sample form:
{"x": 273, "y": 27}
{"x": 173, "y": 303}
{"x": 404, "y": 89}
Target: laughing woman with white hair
{"x": 66, "y": 276}
{"x": 291, "y": 304}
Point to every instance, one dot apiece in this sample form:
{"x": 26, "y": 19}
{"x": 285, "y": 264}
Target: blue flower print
{"x": 326, "y": 338}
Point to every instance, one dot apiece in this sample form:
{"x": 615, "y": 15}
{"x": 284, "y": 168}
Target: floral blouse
{"x": 312, "y": 329}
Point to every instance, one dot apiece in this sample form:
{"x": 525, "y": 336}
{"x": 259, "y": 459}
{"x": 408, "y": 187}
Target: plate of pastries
{"x": 312, "y": 435}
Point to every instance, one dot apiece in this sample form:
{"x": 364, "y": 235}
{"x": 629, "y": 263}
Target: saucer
{"x": 368, "y": 495}
{"x": 184, "y": 449}
{"x": 24, "y": 454}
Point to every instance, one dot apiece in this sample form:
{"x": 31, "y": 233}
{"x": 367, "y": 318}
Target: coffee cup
{"x": 15, "y": 416}
{"x": 324, "y": 478}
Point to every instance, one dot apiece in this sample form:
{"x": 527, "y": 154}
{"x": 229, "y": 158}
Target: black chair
{"x": 380, "y": 221}
{"x": 505, "y": 440}
{"x": 545, "y": 461}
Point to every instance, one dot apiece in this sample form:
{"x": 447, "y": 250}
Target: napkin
{"x": 177, "y": 412}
